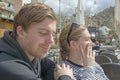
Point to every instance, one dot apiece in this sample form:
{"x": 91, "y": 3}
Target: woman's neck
{"x": 76, "y": 58}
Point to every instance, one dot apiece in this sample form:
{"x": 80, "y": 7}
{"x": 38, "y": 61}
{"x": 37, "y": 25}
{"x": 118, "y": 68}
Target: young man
{"x": 23, "y": 51}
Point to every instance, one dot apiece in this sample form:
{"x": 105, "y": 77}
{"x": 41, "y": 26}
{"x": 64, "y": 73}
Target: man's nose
{"x": 51, "y": 39}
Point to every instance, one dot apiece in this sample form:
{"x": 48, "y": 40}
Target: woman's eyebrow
{"x": 87, "y": 37}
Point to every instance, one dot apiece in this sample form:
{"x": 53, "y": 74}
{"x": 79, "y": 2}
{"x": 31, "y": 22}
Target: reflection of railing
{"x": 53, "y": 54}
{"x": 108, "y": 47}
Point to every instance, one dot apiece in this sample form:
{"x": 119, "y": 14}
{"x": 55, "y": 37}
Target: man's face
{"x": 38, "y": 38}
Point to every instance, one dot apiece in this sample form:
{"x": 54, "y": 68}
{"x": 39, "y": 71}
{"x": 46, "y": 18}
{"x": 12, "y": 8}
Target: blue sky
{"x": 68, "y": 6}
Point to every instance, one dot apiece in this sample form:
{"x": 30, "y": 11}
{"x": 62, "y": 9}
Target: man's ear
{"x": 73, "y": 44}
{"x": 20, "y": 31}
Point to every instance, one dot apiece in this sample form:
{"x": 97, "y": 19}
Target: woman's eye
{"x": 87, "y": 39}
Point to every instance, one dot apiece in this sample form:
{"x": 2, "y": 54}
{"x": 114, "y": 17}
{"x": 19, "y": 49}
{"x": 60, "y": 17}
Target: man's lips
{"x": 45, "y": 48}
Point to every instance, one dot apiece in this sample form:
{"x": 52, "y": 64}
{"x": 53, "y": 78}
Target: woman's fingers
{"x": 63, "y": 70}
{"x": 89, "y": 56}
{"x": 63, "y": 65}
{"x": 58, "y": 67}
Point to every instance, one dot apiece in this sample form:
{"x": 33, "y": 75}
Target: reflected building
{"x": 8, "y": 9}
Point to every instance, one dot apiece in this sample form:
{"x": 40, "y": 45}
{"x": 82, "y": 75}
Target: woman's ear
{"x": 73, "y": 44}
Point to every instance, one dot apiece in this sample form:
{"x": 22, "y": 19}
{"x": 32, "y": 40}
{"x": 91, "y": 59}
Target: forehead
{"x": 47, "y": 24}
{"x": 86, "y": 33}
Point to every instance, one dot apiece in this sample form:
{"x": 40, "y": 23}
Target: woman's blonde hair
{"x": 66, "y": 36}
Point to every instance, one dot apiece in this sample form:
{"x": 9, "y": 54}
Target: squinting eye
{"x": 43, "y": 33}
{"x": 86, "y": 39}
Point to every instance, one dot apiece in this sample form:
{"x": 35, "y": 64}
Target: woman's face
{"x": 85, "y": 40}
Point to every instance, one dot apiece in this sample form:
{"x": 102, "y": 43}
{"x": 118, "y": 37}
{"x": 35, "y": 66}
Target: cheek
{"x": 37, "y": 40}
{"x": 84, "y": 45}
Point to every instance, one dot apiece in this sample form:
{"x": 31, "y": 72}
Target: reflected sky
{"x": 68, "y": 6}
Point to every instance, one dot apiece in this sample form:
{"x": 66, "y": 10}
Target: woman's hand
{"x": 63, "y": 70}
{"x": 88, "y": 56}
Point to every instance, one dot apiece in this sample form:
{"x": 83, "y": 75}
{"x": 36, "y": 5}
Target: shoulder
{"x": 47, "y": 64}
{"x": 47, "y": 69}
{"x": 19, "y": 70}
{"x": 65, "y": 77}
{"x": 98, "y": 68}
{"x": 46, "y": 61}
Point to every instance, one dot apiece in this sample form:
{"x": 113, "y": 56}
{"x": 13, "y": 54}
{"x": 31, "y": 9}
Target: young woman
{"x": 76, "y": 51}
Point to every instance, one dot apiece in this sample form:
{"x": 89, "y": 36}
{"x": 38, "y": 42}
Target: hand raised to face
{"x": 88, "y": 56}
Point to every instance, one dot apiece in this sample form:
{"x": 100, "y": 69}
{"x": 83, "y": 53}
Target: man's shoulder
{"x": 16, "y": 69}
{"x": 47, "y": 61}
{"x": 14, "y": 65}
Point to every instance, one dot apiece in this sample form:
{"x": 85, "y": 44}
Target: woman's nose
{"x": 92, "y": 43}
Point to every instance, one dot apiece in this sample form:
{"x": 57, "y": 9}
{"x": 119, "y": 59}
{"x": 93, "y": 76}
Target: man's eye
{"x": 44, "y": 33}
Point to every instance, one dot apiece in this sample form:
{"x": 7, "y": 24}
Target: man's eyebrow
{"x": 48, "y": 30}
{"x": 43, "y": 29}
